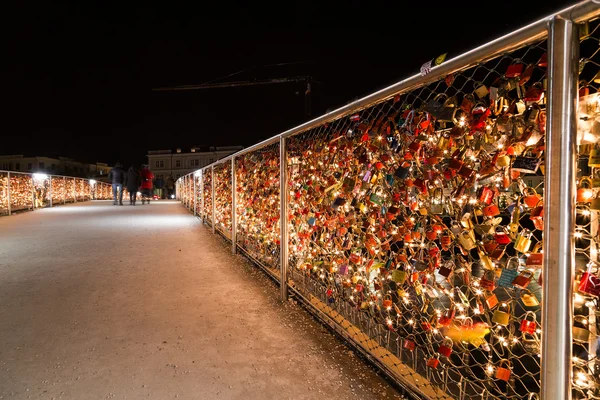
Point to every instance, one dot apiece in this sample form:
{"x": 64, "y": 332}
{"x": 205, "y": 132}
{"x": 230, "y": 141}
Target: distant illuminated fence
{"x": 24, "y": 191}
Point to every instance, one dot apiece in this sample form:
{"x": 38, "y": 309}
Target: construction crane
{"x": 307, "y": 80}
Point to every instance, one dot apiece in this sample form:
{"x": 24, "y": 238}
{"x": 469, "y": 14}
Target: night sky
{"x": 80, "y": 76}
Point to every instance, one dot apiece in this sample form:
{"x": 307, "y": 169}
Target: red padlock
{"x": 433, "y": 362}
{"x": 502, "y": 372}
{"x": 409, "y": 345}
{"x": 491, "y": 210}
{"x": 445, "y": 348}
{"x": 529, "y": 326}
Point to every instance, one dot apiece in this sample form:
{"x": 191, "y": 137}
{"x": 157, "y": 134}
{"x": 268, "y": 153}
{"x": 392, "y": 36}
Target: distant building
{"x": 178, "y": 163}
{"x": 53, "y": 166}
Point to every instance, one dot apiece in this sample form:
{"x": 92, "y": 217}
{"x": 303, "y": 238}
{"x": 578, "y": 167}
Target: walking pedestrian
{"x": 117, "y": 176}
{"x": 132, "y": 182}
{"x": 170, "y": 184}
{"x": 147, "y": 177}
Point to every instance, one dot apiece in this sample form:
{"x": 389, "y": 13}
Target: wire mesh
{"x": 258, "y": 205}
{"x": 3, "y": 193}
{"x": 586, "y": 373}
{"x": 415, "y": 219}
{"x": 198, "y": 192}
{"x": 21, "y": 192}
{"x": 41, "y": 191}
{"x": 207, "y": 196}
{"x": 223, "y": 198}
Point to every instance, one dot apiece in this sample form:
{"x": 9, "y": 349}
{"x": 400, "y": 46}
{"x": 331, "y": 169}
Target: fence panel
{"x": 21, "y": 191}
{"x": 4, "y": 193}
{"x": 223, "y": 199}
{"x": 207, "y": 204}
{"x": 41, "y": 183}
{"x": 258, "y": 205}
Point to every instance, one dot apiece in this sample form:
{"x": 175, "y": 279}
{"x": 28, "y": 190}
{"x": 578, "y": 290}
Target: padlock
{"x": 488, "y": 281}
{"x": 523, "y": 279}
{"x": 589, "y": 283}
{"x": 466, "y": 240}
{"x": 515, "y": 69}
{"x": 531, "y": 198}
{"x": 481, "y": 91}
{"x": 433, "y": 362}
{"x": 501, "y": 237}
{"x": 491, "y": 210}
{"x": 529, "y": 299}
{"x": 523, "y": 242}
{"x": 485, "y": 195}
{"x": 595, "y": 203}
{"x": 437, "y": 202}
{"x": 399, "y": 276}
{"x": 503, "y": 370}
{"x": 529, "y": 326}
{"x": 594, "y": 158}
{"x": 537, "y": 216}
{"x": 509, "y": 273}
{"x": 445, "y": 348}
{"x": 387, "y": 302}
{"x": 503, "y": 161}
{"x": 501, "y": 317}
{"x": 491, "y": 300}
{"x": 485, "y": 261}
{"x": 581, "y": 335}
{"x": 584, "y": 190}
{"x": 498, "y": 253}
{"x": 408, "y": 345}
{"x": 446, "y": 269}
{"x": 447, "y": 318}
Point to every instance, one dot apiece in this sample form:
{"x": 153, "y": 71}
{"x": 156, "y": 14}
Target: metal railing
{"x": 25, "y": 191}
{"x": 447, "y": 225}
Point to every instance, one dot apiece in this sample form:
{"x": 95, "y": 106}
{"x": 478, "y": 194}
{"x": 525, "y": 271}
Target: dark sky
{"x": 80, "y": 75}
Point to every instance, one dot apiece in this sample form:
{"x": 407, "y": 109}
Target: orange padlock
{"x": 502, "y": 372}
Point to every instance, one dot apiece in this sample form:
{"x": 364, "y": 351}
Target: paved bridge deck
{"x": 100, "y": 301}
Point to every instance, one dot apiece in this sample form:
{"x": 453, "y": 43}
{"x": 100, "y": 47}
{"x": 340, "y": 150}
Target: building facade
{"x": 178, "y": 163}
{"x": 53, "y": 166}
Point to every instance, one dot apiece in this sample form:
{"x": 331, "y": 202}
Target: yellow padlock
{"x": 501, "y": 317}
{"x": 523, "y": 242}
{"x": 503, "y": 161}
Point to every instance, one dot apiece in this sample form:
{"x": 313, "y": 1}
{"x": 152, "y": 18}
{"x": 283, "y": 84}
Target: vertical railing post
{"x": 283, "y": 218}
{"x": 194, "y": 192}
{"x": 32, "y": 193}
{"x": 50, "y": 183}
{"x": 8, "y": 195}
{"x": 212, "y": 193}
{"x": 202, "y": 195}
{"x": 65, "y": 190}
{"x": 559, "y": 210}
{"x": 74, "y": 190}
{"x": 233, "y": 206}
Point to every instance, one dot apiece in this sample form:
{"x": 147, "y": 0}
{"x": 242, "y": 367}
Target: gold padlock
{"x": 529, "y": 299}
{"x": 523, "y": 242}
{"x": 502, "y": 317}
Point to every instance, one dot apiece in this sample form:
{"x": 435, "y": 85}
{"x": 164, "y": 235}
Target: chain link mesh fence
{"x": 258, "y": 205}
{"x": 223, "y": 199}
{"x": 416, "y": 225}
{"x": 207, "y": 196}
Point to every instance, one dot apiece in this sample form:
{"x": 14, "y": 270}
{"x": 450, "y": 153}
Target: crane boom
{"x": 236, "y": 83}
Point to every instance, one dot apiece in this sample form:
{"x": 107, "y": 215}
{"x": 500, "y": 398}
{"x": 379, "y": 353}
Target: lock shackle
{"x": 505, "y": 361}
{"x": 511, "y": 261}
{"x": 528, "y": 313}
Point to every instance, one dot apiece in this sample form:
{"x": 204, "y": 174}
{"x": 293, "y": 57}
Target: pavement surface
{"x": 108, "y": 302}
